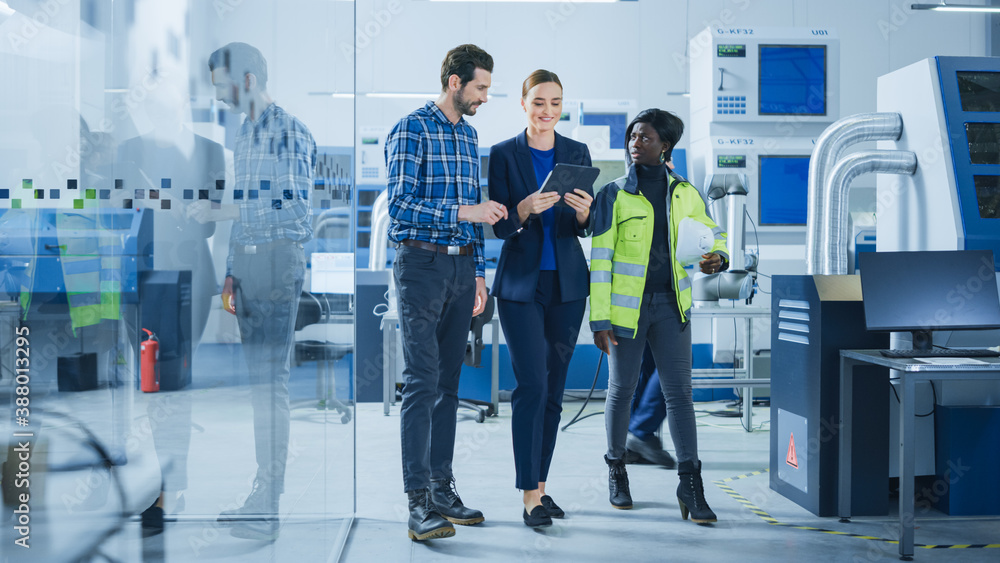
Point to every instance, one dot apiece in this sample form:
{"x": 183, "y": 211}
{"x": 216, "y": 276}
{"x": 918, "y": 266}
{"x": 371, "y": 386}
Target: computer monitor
{"x": 784, "y": 187}
{"x": 924, "y": 291}
{"x": 792, "y": 80}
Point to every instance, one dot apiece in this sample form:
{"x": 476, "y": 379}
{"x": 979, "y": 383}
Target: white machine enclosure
{"x": 918, "y": 212}
{"x": 744, "y": 154}
{"x": 730, "y": 134}
{"x": 719, "y": 75}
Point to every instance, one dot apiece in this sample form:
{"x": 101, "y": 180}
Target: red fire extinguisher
{"x": 149, "y": 371}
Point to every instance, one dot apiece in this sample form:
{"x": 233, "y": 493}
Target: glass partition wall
{"x": 177, "y": 267}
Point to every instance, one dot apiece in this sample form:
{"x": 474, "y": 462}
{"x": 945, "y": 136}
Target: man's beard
{"x": 464, "y": 107}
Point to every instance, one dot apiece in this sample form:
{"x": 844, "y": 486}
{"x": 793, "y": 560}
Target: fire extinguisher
{"x": 149, "y": 371}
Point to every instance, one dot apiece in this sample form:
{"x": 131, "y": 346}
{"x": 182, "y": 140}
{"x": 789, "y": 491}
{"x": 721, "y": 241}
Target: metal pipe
{"x": 832, "y": 258}
{"x": 379, "y": 232}
{"x": 830, "y": 145}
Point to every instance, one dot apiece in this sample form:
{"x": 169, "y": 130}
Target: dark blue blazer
{"x": 511, "y": 179}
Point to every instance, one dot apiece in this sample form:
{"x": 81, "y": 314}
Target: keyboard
{"x": 942, "y": 353}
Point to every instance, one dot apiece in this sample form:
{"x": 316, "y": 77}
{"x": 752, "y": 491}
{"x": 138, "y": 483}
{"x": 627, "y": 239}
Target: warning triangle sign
{"x": 790, "y": 459}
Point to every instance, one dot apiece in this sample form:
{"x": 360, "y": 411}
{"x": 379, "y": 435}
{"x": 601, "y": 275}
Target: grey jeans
{"x": 267, "y": 286}
{"x": 670, "y": 342}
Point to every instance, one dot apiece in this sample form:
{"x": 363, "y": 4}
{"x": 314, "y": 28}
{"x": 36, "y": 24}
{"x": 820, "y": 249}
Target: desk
{"x": 712, "y": 377}
{"x": 911, "y": 371}
{"x": 391, "y": 360}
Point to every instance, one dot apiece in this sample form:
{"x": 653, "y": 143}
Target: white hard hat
{"x": 693, "y": 239}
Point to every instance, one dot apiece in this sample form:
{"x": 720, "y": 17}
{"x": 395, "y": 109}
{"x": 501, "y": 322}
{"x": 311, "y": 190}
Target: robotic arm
{"x": 738, "y": 281}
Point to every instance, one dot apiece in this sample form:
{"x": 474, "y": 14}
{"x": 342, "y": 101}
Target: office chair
{"x": 325, "y": 354}
{"x": 473, "y": 358}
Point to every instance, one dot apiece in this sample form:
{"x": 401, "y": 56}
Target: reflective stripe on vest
{"x": 600, "y": 276}
{"x": 626, "y": 301}
{"x": 626, "y": 269}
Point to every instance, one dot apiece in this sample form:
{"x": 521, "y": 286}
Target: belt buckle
{"x": 454, "y": 250}
{"x": 250, "y": 249}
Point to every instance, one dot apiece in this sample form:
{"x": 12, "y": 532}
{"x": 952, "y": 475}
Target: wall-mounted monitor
{"x": 616, "y": 122}
{"x": 792, "y": 80}
{"x": 783, "y": 188}
{"x": 789, "y": 77}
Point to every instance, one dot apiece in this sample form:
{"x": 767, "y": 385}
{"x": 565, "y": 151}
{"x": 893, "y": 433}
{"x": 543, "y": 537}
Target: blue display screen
{"x": 617, "y": 122}
{"x": 792, "y": 80}
{"x": 783, "y": 189}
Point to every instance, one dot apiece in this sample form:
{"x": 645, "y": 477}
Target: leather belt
{"x": 262, "y": 247}
{"x": 449, "y": 250}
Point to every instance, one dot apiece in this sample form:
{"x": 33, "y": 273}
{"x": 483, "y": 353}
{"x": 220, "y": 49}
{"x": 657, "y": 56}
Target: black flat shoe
{"x": 538, "y": 518}
{"x": 552, "y": 508}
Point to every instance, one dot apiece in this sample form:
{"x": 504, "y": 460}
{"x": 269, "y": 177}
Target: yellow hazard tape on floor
{"x": 763, "y": 515}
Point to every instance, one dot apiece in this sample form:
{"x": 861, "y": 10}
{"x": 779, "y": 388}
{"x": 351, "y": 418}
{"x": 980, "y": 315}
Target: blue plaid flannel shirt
{"x": 433, "y": 167}
{"x": 273, "y": 160}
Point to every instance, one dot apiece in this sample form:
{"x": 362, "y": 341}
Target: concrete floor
{"x": 652, "y": 531}
{"x": 321, "y": 521}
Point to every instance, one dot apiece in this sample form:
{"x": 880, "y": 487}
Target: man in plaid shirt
{"x": 432, "y": 157}
{"x": 274, "y": 159}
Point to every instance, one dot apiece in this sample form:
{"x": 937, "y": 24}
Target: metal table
{"x": 911, "y": 371}
{"x": 391, "y": 359}
{"x": 739, "y": 377}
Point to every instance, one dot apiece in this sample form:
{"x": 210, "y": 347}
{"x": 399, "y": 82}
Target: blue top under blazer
{"x": 511, "y": 179}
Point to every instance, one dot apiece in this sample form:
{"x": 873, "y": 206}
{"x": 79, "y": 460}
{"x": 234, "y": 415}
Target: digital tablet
{"x": 565, "y": 178}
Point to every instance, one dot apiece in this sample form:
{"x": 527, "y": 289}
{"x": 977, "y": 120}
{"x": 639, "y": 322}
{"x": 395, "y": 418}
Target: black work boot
{"x": 425, "y": 523}
{"x": 445, "y": 497}
{"x": 618, "y": 484}
{"x": 691, "y": 494}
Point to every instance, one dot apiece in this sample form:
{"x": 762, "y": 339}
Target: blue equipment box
{"x": 967, "y": 461}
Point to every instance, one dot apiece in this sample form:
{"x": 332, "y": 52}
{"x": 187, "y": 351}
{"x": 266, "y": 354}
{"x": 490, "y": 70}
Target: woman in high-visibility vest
{"x": 639, "y": 292}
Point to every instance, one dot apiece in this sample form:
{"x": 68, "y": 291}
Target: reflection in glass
{"x": 116, "y": 168}
{"x": 274, "y": 158}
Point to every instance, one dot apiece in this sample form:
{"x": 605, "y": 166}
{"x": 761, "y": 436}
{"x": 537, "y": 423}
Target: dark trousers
{"x": 541, "y": 336}
{"x": 648, "y": 407}
{"x": 267, "y": 288}
{"x": 436, "y": 296}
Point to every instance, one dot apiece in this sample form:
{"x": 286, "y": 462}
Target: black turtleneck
{"x": 653, "y": 186}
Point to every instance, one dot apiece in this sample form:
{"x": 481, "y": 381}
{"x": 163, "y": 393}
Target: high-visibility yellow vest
{"x": 622, "y": 223}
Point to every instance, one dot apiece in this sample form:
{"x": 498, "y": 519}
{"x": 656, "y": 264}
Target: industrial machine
{"x": 950, "y": 107}
{"x": 938, "y": 188}
{"x": 759, "y": 99}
